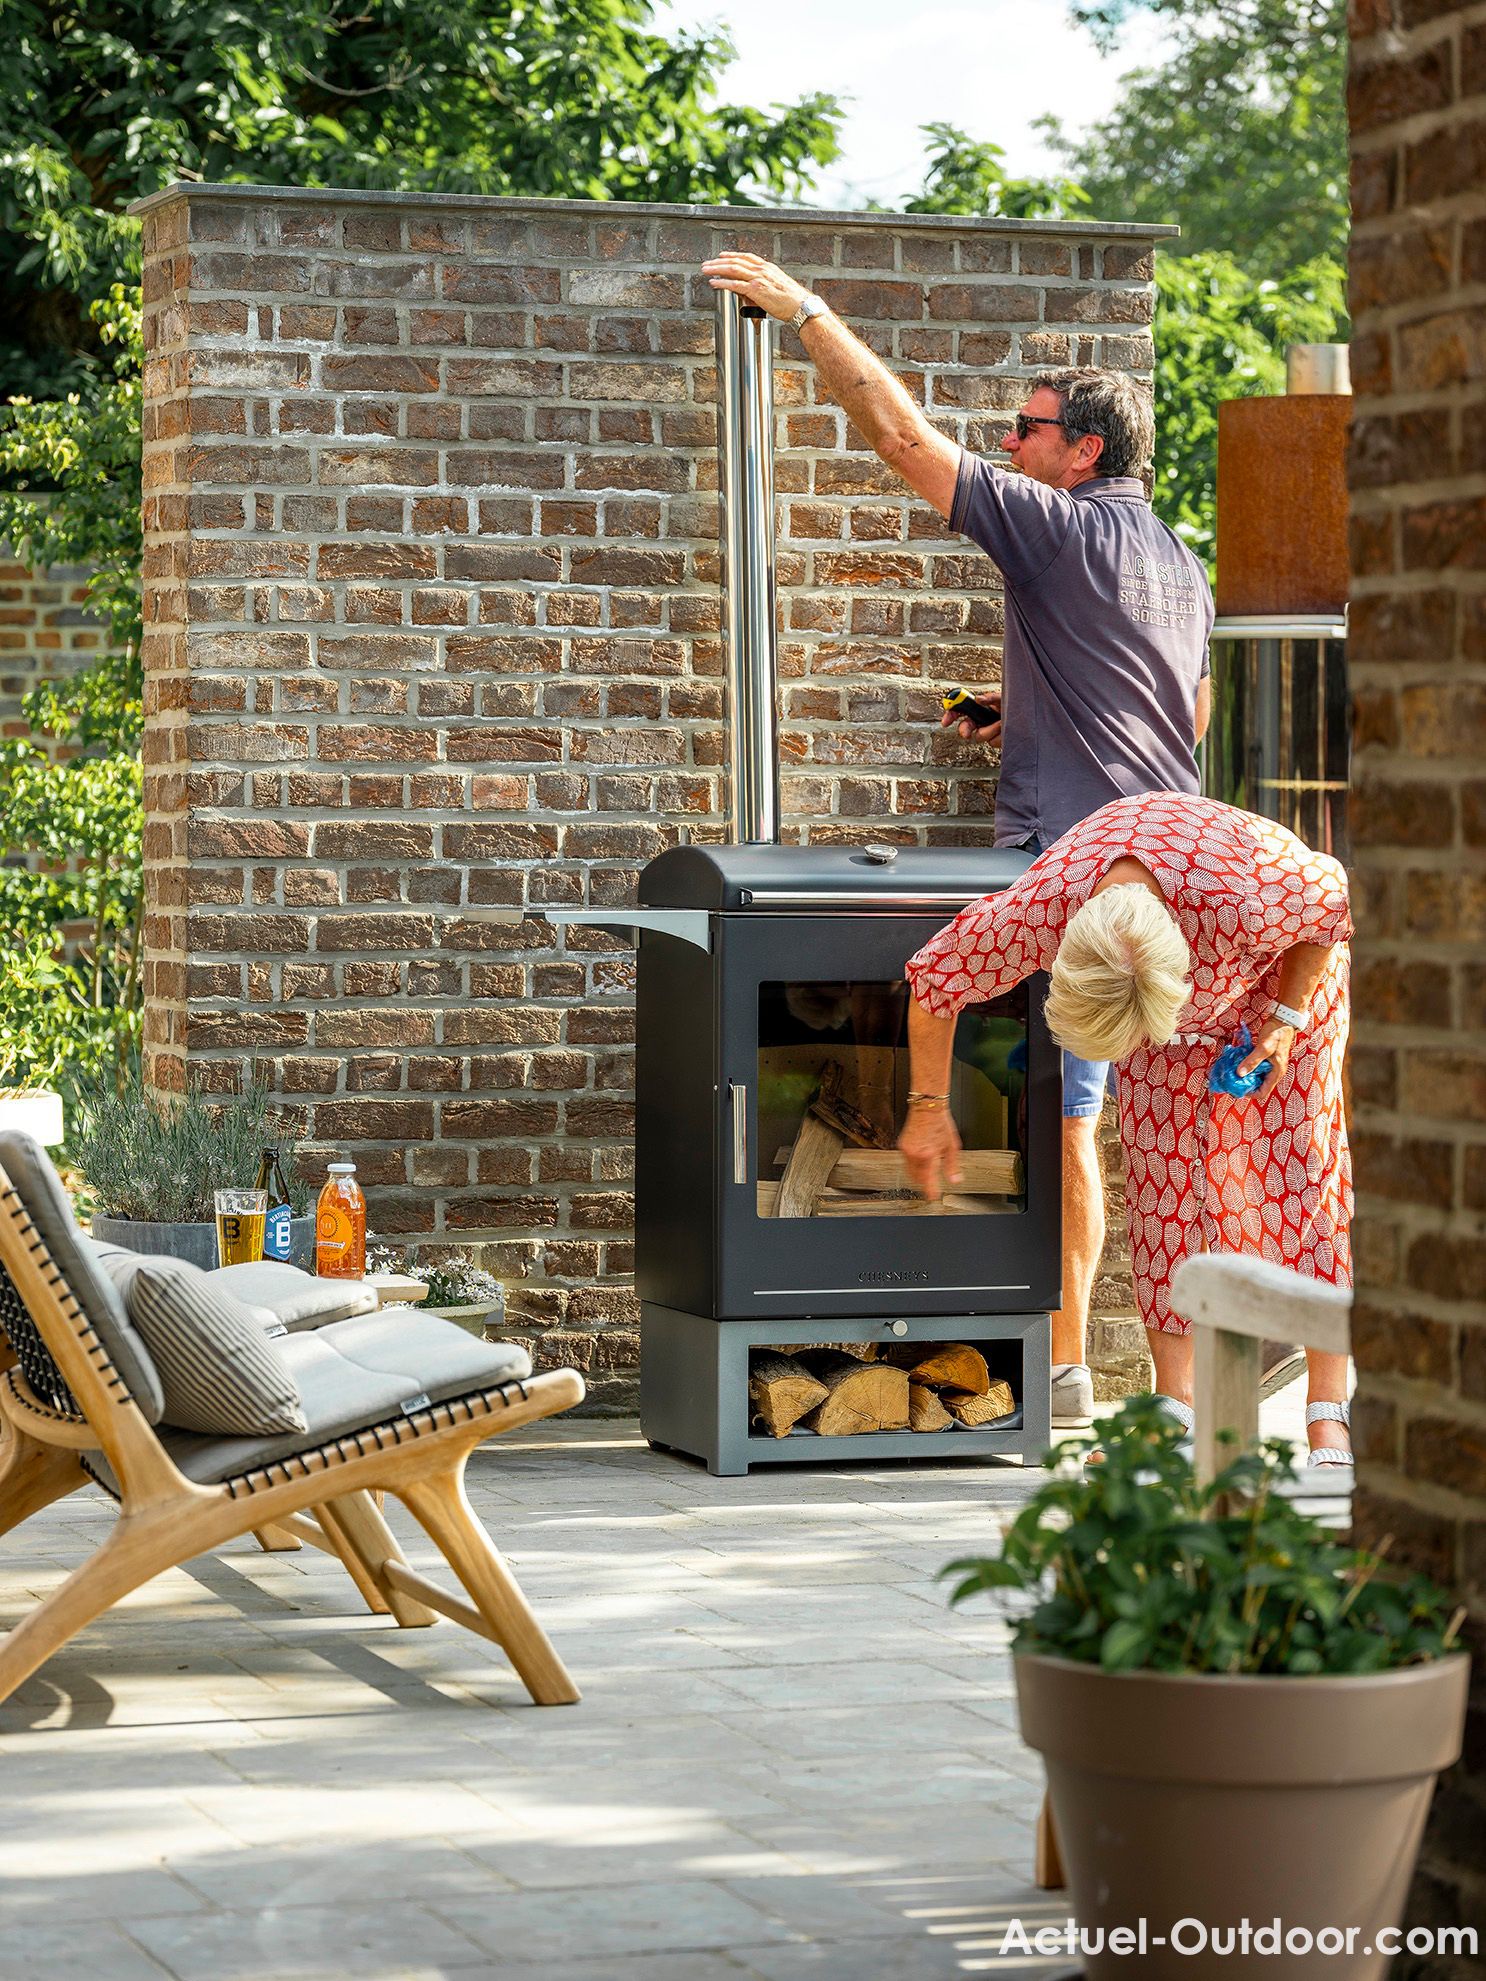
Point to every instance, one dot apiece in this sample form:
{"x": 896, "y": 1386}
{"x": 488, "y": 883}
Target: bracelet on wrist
{"x": 1288, "y": 1015}
{"x": 928, "y": 1100}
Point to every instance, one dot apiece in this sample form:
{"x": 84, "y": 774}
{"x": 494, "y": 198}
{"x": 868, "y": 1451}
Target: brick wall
{"x": 431, "y": 586}
{"x": 45, "y": 632}
{"x": 1418, "y": 654}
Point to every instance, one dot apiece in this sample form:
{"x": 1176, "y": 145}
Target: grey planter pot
{"x": 482, "y": 1318}
{"x": 196, "y": 1243}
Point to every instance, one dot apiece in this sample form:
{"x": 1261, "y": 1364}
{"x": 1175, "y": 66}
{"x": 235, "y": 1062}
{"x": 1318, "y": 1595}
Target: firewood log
{"x": 991, "y": 1172}
{"x": 820, "y": 1357}
{"x": 864, "y": 1396}
{"x": 956, "y": 1366}
{"x": 995, "y": 1401}
{"x": 808, "y": 1170}
{"x": 781, "y": 1390}
{"x": 925, "y": 1411}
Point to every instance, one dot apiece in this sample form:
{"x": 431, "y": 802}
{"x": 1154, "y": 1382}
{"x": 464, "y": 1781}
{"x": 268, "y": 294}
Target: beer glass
{"x": 240, "y": 1220}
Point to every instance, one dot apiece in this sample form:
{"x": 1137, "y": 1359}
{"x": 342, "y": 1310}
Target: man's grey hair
{"x": 1110, "y": 406}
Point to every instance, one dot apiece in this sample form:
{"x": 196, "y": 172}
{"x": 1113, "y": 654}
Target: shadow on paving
{"x": 792, "y": 1758}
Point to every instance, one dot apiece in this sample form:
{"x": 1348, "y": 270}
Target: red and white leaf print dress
{"x": 1202, "y": 1171}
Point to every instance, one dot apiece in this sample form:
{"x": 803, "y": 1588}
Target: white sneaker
{"x": 1073, "y": 1397}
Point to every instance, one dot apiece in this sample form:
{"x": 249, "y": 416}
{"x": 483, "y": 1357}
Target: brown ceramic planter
{"x": 1216, "y": 1800}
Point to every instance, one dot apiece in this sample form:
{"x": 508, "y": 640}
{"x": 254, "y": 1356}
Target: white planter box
{"x": 36, "y": 1112}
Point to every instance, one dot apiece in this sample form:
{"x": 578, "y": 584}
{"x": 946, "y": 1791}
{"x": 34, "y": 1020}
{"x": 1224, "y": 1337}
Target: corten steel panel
{"x": 1282, "y": 505}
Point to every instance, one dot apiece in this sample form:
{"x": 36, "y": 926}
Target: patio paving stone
{"x": 793, "y": 1762}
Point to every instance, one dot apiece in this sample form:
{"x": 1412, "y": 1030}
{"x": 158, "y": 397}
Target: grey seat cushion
{"x": 356, "y": 1373}
{"x": 220, "y": 1371}
{"x": 39, "y": 1188}
{"x": 284, "y": 1295}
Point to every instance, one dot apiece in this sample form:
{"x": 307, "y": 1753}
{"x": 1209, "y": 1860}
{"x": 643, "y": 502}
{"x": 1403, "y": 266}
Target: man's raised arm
{"x": 877, "y": 405}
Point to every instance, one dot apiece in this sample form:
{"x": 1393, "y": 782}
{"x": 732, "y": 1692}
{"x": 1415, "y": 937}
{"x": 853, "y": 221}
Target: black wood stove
{"x": 772, "y": 1079}
{"x": 782, "y": 964}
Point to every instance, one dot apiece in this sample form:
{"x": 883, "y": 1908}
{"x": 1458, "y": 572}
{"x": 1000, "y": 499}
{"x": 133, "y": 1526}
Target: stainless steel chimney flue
{"x": 745, "y": 390}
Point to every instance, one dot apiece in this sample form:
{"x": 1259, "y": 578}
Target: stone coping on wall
{"x": 753, "y": 216}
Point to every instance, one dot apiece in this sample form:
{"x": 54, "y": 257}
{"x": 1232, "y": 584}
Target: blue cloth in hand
{"x": 1225, "y": 1077}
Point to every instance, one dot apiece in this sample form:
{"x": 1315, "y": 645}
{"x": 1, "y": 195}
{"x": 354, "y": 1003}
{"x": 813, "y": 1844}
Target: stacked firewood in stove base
{"x": 846, "y": 1391}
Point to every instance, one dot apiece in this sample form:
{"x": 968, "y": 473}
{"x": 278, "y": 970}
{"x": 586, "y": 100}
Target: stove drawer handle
{"x": 738, "y": 1103}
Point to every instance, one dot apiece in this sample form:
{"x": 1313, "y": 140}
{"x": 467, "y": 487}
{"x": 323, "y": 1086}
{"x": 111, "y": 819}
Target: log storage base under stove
{"x": 694, "y": 1386}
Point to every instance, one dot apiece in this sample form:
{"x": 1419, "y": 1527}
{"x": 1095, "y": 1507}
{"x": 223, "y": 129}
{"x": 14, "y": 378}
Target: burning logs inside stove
{"x": 838, "y": 1391}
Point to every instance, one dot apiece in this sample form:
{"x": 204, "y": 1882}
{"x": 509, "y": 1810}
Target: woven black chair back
{"x": 43, "y": 1377}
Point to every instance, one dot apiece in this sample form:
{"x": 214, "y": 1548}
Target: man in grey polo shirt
{"x": 1104, "y": 675}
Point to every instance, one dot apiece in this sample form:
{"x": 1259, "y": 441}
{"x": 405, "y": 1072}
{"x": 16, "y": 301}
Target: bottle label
{"x": 340, "y": 1240}
{"x": 276, "y": 1235}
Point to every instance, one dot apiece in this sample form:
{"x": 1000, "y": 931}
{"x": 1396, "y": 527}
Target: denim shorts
{"x": 1085, "y": 1081}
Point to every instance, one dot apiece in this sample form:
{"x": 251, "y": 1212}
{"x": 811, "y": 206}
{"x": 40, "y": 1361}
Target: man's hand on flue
{"x": 757, "y": 281}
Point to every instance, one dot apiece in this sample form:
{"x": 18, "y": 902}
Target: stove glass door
{"x": 814, "y": 1214}
{"x": 833, "y": 1087}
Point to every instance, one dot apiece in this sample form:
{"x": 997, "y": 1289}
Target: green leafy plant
{"x": 1134, "y": 1566}
{"x": 159, "y": 1160}
{"x": 51, "y": 1035}
{"x": 453, "y": 1278}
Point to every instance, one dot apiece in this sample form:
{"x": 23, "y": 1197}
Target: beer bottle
{"x": 276, "y": 1234}
{"x": 340, "y": 1226}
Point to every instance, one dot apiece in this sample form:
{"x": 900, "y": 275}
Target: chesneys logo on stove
{"x": 890, "y": 1278}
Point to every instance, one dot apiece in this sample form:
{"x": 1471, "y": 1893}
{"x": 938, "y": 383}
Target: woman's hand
{"x": 1274, "y": 1042}
{"x": 930, "y": 1147}
{"x": 758, "y": 282}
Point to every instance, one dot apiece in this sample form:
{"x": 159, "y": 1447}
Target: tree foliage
{"x": 101, "y": 104}
{"x": 564, "y": 98}
{"x": 963, "y": 175}
{"x": 1240, "y": 135}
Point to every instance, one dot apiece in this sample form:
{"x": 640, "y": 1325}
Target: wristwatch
{"x": 1288, "y": 1015}
{"x": 811, "y": 306}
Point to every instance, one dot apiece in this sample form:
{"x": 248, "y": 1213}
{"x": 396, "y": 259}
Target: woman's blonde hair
{"x": 1121, "y": 976}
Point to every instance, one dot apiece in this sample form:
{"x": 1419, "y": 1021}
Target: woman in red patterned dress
{"x": 1262, "y": 924}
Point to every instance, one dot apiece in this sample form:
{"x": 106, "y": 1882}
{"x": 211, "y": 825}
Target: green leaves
{"x": 560, "y": 98}
{"x": 964, "y": 176}
{"x": 1131, "y": 1565}
{"x": 1251, "y": 96}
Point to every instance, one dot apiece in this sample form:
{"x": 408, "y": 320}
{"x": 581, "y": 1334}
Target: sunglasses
{"x": 1026, "y": 421}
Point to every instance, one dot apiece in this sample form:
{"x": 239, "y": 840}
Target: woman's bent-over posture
{"x": 1167, "y": 922}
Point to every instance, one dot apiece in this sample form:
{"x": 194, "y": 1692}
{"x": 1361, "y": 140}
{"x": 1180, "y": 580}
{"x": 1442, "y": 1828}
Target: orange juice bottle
{"x": 340, "y": 1226}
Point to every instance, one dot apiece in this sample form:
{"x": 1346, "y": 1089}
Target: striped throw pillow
{"x": 220, "y": 1372}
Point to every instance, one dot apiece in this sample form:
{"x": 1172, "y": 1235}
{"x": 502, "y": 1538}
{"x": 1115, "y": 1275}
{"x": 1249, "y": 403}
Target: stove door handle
{"x": 738, "y": 1103}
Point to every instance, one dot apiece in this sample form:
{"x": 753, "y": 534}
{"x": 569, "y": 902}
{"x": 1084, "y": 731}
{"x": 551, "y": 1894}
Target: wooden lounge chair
{"x": 70, "y": 1366}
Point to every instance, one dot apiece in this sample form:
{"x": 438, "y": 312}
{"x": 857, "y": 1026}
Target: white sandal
{"x": 1330, "y": 1413}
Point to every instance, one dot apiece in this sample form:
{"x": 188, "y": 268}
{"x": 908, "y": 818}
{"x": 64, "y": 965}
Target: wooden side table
{"x": 396, "y": 1289}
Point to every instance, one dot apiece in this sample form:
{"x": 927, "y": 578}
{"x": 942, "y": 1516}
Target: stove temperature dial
{"x": 880, "y": 855}
{"x": 898, "y": 1327}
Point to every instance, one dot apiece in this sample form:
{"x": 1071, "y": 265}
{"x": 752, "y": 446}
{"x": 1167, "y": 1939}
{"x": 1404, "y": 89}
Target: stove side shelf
{"x": 694, "y": 1389}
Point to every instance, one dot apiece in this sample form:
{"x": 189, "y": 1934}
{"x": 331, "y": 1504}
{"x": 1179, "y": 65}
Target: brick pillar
{"x": 1418, "y": 655}
{"x": 432, "y": 543}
